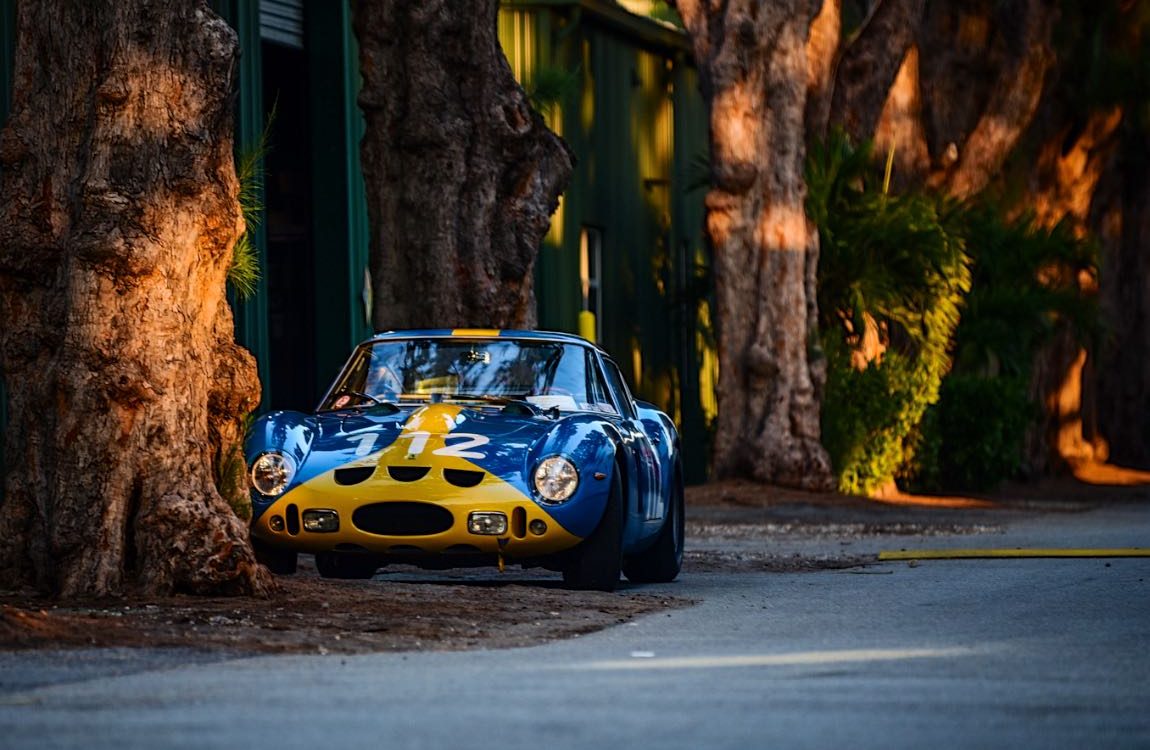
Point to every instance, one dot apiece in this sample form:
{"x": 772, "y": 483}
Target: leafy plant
{"x": 550, "y": 85}
{"x": 231, "y": 473}
{"x": 1026, "y": 287}
{"x": 244, "y": 271}
{"x": 972, "y": 438}
{"x": 895, "y": 264}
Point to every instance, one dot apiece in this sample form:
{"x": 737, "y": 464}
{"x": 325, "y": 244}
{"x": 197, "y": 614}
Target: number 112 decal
{"x": 463, "y": 447}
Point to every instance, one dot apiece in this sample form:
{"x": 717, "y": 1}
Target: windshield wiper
{"x": 506, "y": 400}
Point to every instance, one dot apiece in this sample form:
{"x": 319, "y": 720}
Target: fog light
{"x": 276, "y": 523}
{"x": 320, "y": 521}
{"x": 488, "y": 524}
{"x": 537, "y": 527}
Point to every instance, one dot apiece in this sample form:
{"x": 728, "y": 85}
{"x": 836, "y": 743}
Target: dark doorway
{"x": 290, "y": 258}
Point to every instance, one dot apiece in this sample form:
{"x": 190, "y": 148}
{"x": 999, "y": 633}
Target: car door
{"x": 644, "y": 462}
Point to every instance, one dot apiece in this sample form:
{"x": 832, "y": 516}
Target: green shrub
{"x": 972, "y": 438}
{"x": 898, "y": 260}
{"x": 1025, "y": 288}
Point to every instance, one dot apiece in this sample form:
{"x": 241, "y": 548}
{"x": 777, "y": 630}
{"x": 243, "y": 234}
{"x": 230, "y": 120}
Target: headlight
{"x": 271, "y": 473}
{"x": 556, "y": 479}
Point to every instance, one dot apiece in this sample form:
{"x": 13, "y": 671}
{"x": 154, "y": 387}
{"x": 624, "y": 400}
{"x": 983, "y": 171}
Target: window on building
{"x": 590, "y": 277}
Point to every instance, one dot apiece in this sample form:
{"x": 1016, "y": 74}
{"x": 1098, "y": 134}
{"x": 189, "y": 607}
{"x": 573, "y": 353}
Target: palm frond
{"x": 244, "y": 271}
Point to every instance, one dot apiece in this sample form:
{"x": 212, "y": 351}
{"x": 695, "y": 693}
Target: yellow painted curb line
{"x": 966, "y": 554}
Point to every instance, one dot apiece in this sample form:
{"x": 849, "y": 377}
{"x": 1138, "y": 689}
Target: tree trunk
{"x": 1123, "y": 372}
{"x": 869, "y": 63}
{"x": 462, "y": 175}
{"x": 822, "y": 57}
{"x": 117, "y": 219}
{"x": 983, "y": 72}
{"x": 753, "y": 69}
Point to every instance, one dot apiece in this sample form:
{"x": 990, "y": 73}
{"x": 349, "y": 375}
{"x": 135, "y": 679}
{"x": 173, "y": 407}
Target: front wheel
{"x": 345, "y": 565}
{"x": 661, "y": 562}
{"x": 597, "y": 561}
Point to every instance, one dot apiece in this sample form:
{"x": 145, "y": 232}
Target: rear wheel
{"x": 661, "y": 562}
{"x": 279, "y": 561}
{"x": 597, "y": 561}
{"x": 345, "y": 565}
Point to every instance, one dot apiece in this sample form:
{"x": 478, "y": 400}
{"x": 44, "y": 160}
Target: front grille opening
{"x": 407, "y": 473}
{"x": 354, "y": 475}
{"x": 519, "y": 523}
{"x": 402, "y": 519}
{"x": 292, "y": 513}
{"x": 462, "y": 549}
{"x": 463, "y": 477}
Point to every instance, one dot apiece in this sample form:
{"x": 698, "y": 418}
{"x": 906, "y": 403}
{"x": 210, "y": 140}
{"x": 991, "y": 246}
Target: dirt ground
{"x": 407, "y": 609}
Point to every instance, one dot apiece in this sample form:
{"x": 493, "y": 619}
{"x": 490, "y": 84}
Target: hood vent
{"x": 463, "y": 477}
{"x": 354, "y": 475}
{"x": 407, "y": 473}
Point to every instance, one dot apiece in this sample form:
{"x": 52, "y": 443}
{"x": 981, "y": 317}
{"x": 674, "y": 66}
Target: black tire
{"x": 280, "y": 561}
{"x": 662, "y": 561}
{"x": 596, "y": 563}
{"x": 345, "y": 565}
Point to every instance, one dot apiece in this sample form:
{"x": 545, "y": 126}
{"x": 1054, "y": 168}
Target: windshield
{"x": 547, "y": 374}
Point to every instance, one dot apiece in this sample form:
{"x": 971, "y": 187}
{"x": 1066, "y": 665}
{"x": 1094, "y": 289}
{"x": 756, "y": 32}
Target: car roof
{"x": 483, "y": 333}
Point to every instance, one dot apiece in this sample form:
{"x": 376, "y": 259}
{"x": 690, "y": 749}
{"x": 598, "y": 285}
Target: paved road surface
{"x": 970, "y": 653}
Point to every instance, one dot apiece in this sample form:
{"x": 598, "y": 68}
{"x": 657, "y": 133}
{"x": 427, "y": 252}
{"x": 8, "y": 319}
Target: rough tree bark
{"x": 1122, "y": 216}
{"x": 462, "y": 175}
{"x": 983, "y": 72}
{"x": 1078, "y": 173}
{"x": 117, "y": 218}
{"x": 753, "y": 70}
{"x": 868, "y": 64}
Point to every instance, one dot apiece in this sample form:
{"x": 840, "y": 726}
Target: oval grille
{"x": 402, "y": 519}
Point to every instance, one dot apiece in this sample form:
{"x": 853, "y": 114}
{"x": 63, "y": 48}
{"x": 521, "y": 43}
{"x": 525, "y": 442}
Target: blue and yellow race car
{"x": 452, "y": 448}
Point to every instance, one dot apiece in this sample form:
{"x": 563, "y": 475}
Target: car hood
{"x": 444, "y": 435}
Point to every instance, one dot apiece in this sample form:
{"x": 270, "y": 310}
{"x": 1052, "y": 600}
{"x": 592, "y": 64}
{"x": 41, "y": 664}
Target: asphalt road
{"x": 1044, "y": 653}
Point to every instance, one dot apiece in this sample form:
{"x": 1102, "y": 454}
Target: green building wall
{"x": 338, "y": 209}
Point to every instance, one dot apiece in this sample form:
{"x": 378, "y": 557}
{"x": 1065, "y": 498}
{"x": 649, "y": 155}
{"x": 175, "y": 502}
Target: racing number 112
{"x": 458, "y": 450}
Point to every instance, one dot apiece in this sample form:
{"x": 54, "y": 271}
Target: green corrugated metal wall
{"x": 339, "y": 212}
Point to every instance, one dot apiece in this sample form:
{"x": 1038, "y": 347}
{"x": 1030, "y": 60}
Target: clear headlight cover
{"x": 271, "y": 473}
{"x": 556, "y": 479}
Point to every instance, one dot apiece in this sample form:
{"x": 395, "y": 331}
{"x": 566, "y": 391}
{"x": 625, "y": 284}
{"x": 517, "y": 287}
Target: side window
{"x": 596, "y": 388}
{"x": 619, "y": 388}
